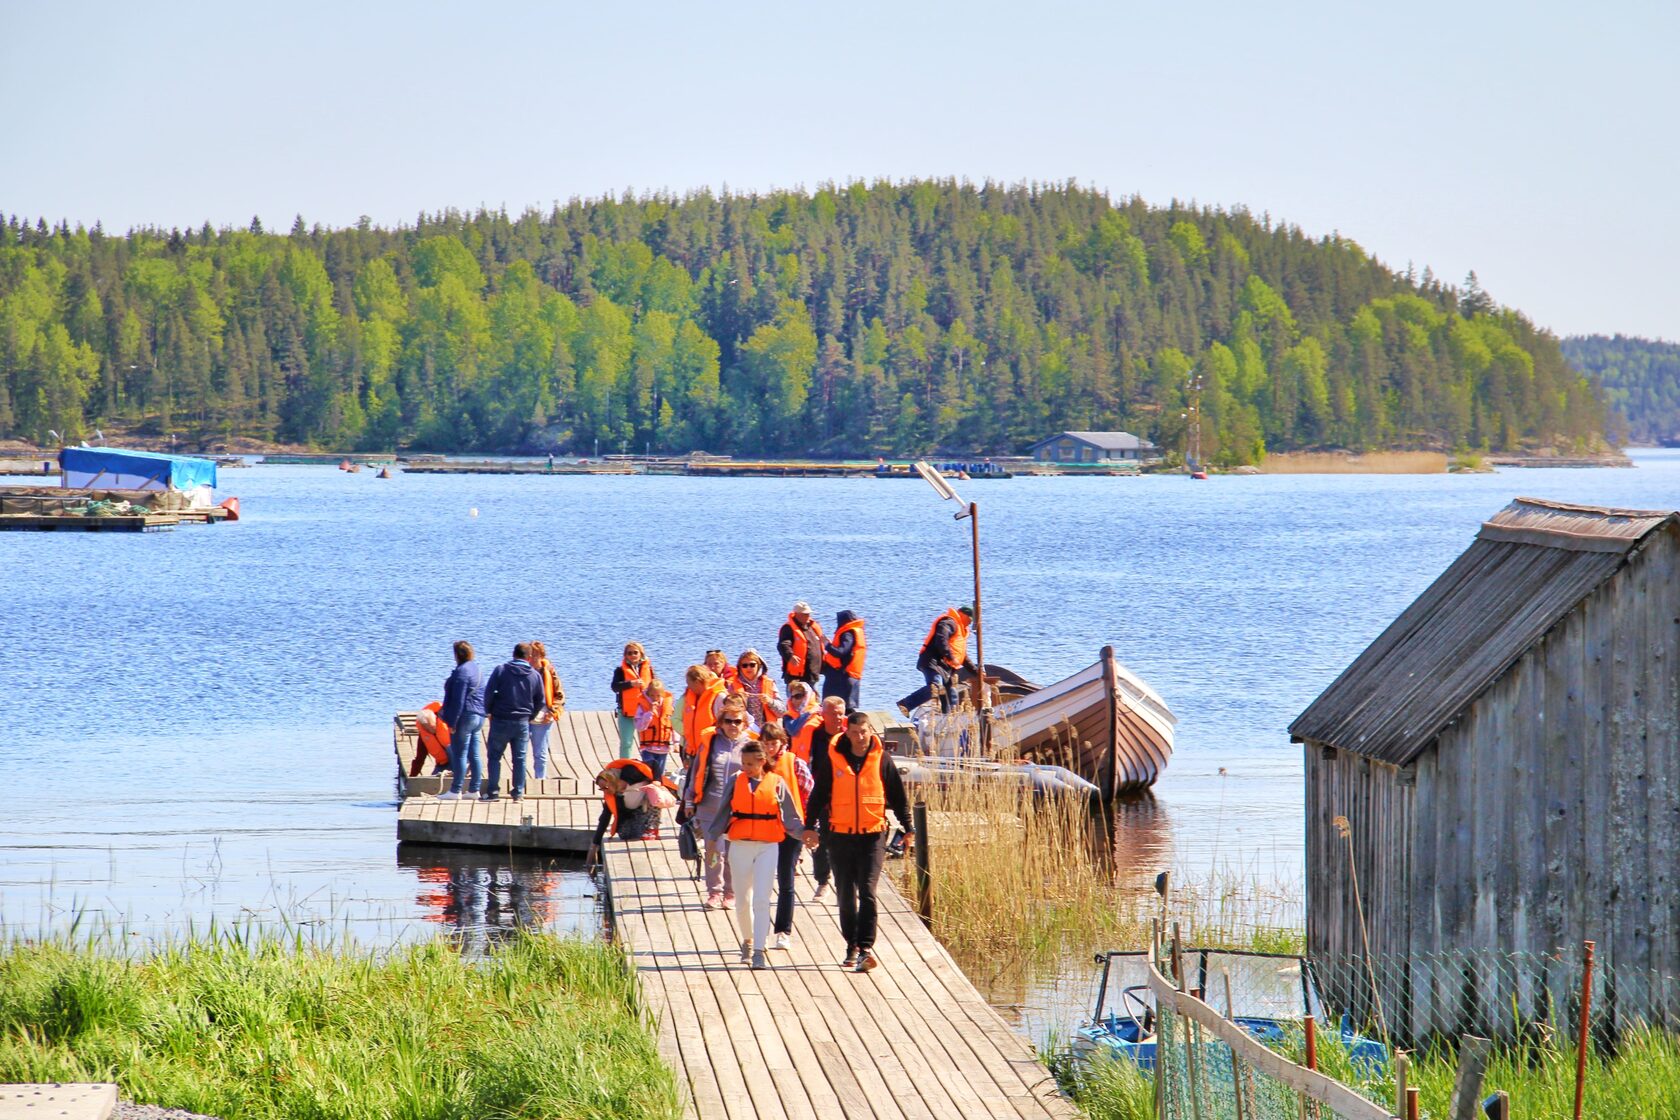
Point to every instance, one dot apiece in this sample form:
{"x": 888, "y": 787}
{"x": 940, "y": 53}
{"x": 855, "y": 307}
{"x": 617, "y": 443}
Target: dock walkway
{"x": 803, "y": 1039}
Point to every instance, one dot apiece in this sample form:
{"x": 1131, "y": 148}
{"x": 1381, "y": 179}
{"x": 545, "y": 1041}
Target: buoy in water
{"x": 232, "y": 506}
{"x": 384, "y": 472}
{"x": 473, "y": 512}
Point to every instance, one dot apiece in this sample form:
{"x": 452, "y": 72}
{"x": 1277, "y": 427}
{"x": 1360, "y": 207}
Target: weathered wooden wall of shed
{"x": 1550, "y": 813}
{"x": 1377, "y": 805}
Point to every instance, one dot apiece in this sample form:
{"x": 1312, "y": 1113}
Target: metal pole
{"x": 979, "y": 632}
{"x": 1413, "y": 1104}
{"x": 1581, "y": 1034}
{"x": 924, "y": 881}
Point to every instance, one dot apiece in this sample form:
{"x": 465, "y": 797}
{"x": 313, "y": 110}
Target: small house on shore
{"x": 1093, "y": 447}
{"x": 1497, "y": 778}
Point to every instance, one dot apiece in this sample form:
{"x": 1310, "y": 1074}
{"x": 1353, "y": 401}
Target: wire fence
{"x": 1417, "y": 1001}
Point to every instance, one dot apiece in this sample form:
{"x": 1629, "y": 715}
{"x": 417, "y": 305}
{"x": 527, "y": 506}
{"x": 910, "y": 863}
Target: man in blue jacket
{"x": 513, "y": 695}
{"x": 463, "y": 713}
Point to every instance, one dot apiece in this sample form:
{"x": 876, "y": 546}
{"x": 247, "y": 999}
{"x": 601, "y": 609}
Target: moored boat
{"x": 1103, "y": 723}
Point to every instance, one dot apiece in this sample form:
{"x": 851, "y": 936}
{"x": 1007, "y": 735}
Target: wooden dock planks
{"x": 908, "y": 1041}
{"x": 911, "y": 1040}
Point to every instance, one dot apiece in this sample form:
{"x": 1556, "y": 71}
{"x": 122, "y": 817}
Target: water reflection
{"x": 482, "y": 895}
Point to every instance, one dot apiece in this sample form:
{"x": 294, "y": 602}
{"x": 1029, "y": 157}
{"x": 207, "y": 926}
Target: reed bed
{"x": 254, "y": 1025}
{"x": 1022, "y": 884}
{"x": 1341, "y": 462}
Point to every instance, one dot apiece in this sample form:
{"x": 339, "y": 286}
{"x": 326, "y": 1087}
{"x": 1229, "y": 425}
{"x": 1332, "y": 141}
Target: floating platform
{"x": 519, "y": 468}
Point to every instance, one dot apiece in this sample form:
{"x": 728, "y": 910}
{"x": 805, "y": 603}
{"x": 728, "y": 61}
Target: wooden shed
{"x": 1507, "y": 758}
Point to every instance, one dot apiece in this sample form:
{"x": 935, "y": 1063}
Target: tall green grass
{"x": 248, "y": 1027}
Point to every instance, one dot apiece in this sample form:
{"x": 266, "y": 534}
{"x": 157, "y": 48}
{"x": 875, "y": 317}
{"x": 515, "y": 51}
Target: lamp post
{"x": 971, "y": 511}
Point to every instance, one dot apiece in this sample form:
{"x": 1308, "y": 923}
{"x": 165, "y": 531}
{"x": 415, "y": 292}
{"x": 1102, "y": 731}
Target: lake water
{"x": 200, "y": 720}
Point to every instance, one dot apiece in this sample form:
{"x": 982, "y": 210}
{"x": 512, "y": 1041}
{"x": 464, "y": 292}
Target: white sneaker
{"x": 780, "y": 941}
{"x": 816, "y": 895}
{"x": 448, "y": 796}
{"x": 747, "y": 950}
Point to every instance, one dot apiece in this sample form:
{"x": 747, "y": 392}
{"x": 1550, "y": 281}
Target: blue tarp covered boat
{"x": 111, "y": 468}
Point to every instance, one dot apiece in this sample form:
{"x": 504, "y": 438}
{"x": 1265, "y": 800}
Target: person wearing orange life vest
{"x": 633, "y": 674}
{"x": 762, "y": 812}
{"x": 855, "y": 785}
{"x": 655, "y": 717}
{"x": 753, "y": 683}
{"x": 943, "y": 657}
{"x": 701, "y": 702}
{"x": 800, "y": 643}
{"x": 554, "y": 701}
{"x": 705, "y": 796}
{"x": 801, "y": 718}
{"x": 432, "y": 740}
{"x": 625, "y": 808}
{"x": 718, "y": 663}
{"x": 793, "y": 772}
{"x": 843, "y": 658}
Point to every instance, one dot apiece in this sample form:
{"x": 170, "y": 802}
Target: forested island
{"x": 867, "y": 319}
{"x": 1641, "y": 381}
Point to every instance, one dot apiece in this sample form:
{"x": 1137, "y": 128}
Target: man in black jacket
{"x": 800, "y": 642}
{"x": 512, "y": 696}
{"x": 847, "y": 812}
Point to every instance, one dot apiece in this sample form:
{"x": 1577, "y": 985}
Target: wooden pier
{"x": 803, "y": 1039}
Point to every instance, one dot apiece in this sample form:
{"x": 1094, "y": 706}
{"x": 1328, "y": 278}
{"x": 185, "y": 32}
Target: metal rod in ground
{"x": 1414, "y": 1107}
{"x": 1310, "y": 1023}
{"x": 924, "y": 878}
{"x": 1581, "y": 1035}
{"x": 1236, "y": 1063}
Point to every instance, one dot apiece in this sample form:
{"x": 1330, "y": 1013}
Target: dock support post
{"x": 924, "y": 878}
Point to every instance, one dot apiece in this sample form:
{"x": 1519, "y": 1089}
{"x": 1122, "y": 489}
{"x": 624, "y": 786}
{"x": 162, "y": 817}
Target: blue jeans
{"x": 656, "y": 762}
{"x": 502, "y": 733}
{"x": 539, "y": 749}
{"x": 466, "y": 752}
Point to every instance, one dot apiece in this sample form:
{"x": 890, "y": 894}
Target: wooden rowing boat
{"x": 1103, "y": 723}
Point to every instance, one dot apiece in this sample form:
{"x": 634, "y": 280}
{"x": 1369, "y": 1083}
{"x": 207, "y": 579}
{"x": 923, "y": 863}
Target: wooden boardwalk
{"x": 911, "y": 1040}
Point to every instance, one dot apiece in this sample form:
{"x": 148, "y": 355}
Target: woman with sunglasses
{"x": 707, "y": 785}
{"x": 752, "y": 680}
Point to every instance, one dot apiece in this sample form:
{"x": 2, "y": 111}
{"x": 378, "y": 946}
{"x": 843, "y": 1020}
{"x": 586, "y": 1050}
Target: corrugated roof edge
{"x": 1525, "y": 521}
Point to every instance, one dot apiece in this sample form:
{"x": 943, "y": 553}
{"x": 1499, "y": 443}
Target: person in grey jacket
{"x": 707, "y": 784}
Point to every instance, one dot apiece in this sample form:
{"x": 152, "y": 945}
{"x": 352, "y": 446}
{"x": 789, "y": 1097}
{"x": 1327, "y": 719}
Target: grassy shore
{"x": 1642, "y": 1079}
{"x": 260, "y": 1027}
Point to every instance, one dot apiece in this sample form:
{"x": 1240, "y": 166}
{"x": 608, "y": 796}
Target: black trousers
{"x": 820, "y": 868}
{"x": 787, "y": 859}
{"x": 857, "y": 861}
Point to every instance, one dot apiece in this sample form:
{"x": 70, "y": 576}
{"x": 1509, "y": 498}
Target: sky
{"x": 1536, "y": 143}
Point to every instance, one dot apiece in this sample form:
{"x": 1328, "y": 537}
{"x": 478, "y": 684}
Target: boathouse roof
{"x": 1527, "y": 568}
{"x": 1106, "y": 441}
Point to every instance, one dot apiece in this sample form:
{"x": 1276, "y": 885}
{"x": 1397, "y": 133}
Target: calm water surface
{"x": 200, "y": 720}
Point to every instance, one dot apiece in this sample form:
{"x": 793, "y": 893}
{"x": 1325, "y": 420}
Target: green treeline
{"x": 867, "y": 319}
{"x": 1641, "y": 380}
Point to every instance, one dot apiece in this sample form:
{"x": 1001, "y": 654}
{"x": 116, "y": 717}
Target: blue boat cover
{"x": 92, "y": 467}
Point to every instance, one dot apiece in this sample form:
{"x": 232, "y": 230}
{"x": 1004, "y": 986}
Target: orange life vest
{"x": 436, "y": 741}
{"x": 756, "y": 814}
{"x": 699, "y": 719}
{"x": 959, "y": 640}
{"x": 858, "y": 802}
{"x": 611, "y": 800}
{"x": 795, "y": 666}
{"x": 630, "y": 697}
{"x": 789, "y": 773}
{"x": 551, "y": 684}
{"x": 659, "y": 729}
{"x": 702, "y": 759}
{"x": 764, "y": 688}
{"x": 854, "y": 664}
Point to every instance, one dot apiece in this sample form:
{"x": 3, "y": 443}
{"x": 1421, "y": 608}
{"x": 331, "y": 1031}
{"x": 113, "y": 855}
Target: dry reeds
{"x": 1342, "y": 462}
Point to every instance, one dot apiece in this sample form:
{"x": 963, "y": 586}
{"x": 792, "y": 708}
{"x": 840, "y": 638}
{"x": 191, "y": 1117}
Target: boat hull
{"x": 1103, "y": 723}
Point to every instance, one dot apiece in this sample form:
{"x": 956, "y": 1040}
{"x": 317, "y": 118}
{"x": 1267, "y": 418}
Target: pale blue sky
{"x": 1536, "y": 143}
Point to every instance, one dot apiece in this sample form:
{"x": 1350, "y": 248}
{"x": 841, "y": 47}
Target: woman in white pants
{"x": 763, "y": 812}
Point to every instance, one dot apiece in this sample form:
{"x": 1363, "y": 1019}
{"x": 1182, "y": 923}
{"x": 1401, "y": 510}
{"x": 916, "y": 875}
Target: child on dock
{"x": 762, "y": 812}
{"x": 656, "y": 725}
{"x": 796, "y": 775}
{"x": 633, "y": 674}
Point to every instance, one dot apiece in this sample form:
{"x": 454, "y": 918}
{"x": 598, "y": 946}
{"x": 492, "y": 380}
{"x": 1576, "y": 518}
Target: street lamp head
{"x": 937, "y": 481}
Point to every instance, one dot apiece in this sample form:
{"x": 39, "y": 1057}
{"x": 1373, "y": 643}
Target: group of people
{"x": 760, "y": 776}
